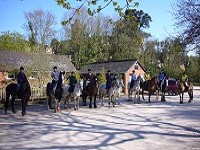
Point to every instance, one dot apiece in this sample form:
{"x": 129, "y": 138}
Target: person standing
{"x": 133, "y": 78}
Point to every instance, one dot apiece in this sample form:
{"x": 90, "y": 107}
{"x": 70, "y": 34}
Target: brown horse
{"x": 90, "y": 89}
{"x": 182, "y": 89}
{"x": 150, "y": 86}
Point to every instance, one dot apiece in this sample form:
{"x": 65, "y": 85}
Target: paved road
{"x": 145, "y": 126}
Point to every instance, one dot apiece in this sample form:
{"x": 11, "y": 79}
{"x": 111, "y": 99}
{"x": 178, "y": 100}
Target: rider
{"x": 55, "y": 77}
{"x": 72, "y": 82}
{"x": 184, "y": 79}
{"x": 147, "y": 76}
{"x": 161, "y": 77}
{"x": 108, "y": 80}
{"x": 133, "y": 79}
{"x": 21, "y": 77}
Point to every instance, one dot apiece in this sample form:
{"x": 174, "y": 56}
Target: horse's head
{"x": 121, "y": 83}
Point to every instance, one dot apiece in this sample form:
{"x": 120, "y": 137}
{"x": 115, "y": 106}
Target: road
{"x": 146, "y": 126}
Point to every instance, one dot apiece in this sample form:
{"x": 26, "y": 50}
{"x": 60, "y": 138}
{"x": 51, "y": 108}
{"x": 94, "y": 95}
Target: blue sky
{"x": 12, "y": 14}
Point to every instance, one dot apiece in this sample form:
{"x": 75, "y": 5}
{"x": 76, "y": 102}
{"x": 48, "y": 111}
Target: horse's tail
{"x": 48, "y": 88}
{"x": 191, "y": 94}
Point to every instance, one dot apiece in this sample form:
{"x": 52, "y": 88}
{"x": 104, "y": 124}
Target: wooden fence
{"x": 36, "y": 93}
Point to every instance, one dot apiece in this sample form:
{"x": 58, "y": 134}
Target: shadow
{"x": 97, "y": 128}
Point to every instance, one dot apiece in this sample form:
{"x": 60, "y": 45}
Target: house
{"x": 10, "y": 60}
{"x": 122, "y": 67}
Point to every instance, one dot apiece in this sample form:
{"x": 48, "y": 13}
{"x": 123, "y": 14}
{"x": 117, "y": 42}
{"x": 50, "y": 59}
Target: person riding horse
{"x": 108, "y": 80}
{"x": 21, "y": 78}
{"x": 55, "y": 77}
{"x": 72, "y": 83}
{"x": 89, "y": 78}
{"x": 133, "y": 78}
{"x": 184, "y": 79}
{"x": 147, "y": 76}
{"x": 161, "y": 77}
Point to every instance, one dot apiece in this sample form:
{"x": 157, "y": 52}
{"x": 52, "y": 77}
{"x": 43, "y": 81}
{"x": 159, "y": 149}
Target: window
{"x": 136, "y": 67}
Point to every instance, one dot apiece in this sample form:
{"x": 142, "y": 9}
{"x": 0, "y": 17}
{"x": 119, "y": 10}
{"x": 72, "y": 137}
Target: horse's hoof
{"x": 95, "y": 106}
{"x": 74, "y": 108}
{"x": 181, "y": 102}
{"x": 113, "y": 105}
{"x": 14, "y": 112}
{"x": 23, "y": 113}
{"x": 90, "y": 106}
{"x": 189, "y": 101}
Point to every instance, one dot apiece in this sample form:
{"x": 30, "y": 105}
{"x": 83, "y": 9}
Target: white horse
{"x": 113, "y": 93}
{"x": 135, "y": 90}
{"x": 75, "y": 96}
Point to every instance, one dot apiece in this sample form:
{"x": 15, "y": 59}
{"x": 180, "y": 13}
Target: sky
{"x": 12, "y": 14}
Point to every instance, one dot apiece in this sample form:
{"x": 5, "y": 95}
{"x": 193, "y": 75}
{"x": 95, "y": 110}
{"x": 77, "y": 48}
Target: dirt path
{"x": 145, "y": 126}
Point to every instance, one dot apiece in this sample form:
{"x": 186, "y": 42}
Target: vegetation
{"x": 88, "y": 36}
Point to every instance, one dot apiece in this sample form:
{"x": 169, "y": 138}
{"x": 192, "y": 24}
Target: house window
{"x": 136, "y": 67}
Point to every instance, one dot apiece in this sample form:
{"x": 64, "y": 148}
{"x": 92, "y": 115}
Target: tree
{"x": 187, "y": 15}
{"x": 94, "y": 6}
{"x": 13, "y": 41}
{"x": 40, "y": 26}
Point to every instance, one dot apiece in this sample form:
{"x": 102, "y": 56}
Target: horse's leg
{"x": 26, "y": 102}
{"x": 95, "y": 104}
{"x": 59, "y": 109}
{"x": 190, "y": 96}
{"x": 84, "y": 97}
{"x": 23, "y": 106}
{"x": 149, "y": 96}
{"x": 56, "y": 106}
{"x": 75, "y": 108}
{"x": 163, "y": 96}
{"x": 143, "y": 94}
{"x": 90, "y": 105}
{"x": 7, "y": 103}
{"x": 77, "y": 103}
{"x": 181, "y": 98}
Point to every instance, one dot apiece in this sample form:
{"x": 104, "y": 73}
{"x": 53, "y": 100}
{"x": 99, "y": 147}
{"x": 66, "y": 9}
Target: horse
{"x": 182, "y": 89}
{"x": 56, "y": 93}
{"x": 103, "y": 91}
{"x": 23, "y": 93}
{"x": 150, "y": 85}
{"x": 75, "y": 96}
{"x": 135, "y": 90}
{"x": 163, "y": 89}
{"x": 90, "y": 88}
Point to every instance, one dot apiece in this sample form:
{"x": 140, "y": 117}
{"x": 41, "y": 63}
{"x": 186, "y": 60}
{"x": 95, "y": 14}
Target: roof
{"x": 115, "y": 66}
{"x": 13, "y": 60}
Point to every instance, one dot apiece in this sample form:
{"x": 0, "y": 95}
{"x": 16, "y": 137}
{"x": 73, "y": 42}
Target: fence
{"x": 36, "y": 93}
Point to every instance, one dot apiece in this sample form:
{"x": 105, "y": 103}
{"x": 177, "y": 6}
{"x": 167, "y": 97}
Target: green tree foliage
{"x": 94, "y": 6}
{"x": 13, "y": 41}
{"x": 102, "y": 78}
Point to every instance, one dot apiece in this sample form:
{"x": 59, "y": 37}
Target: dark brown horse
{"x": 23, "y": 93}
{"x": 150, "y": 86}
{"x": 56, "y": 94}
{"x": 90, "y": 89}
{"x": 182, "y": 88}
